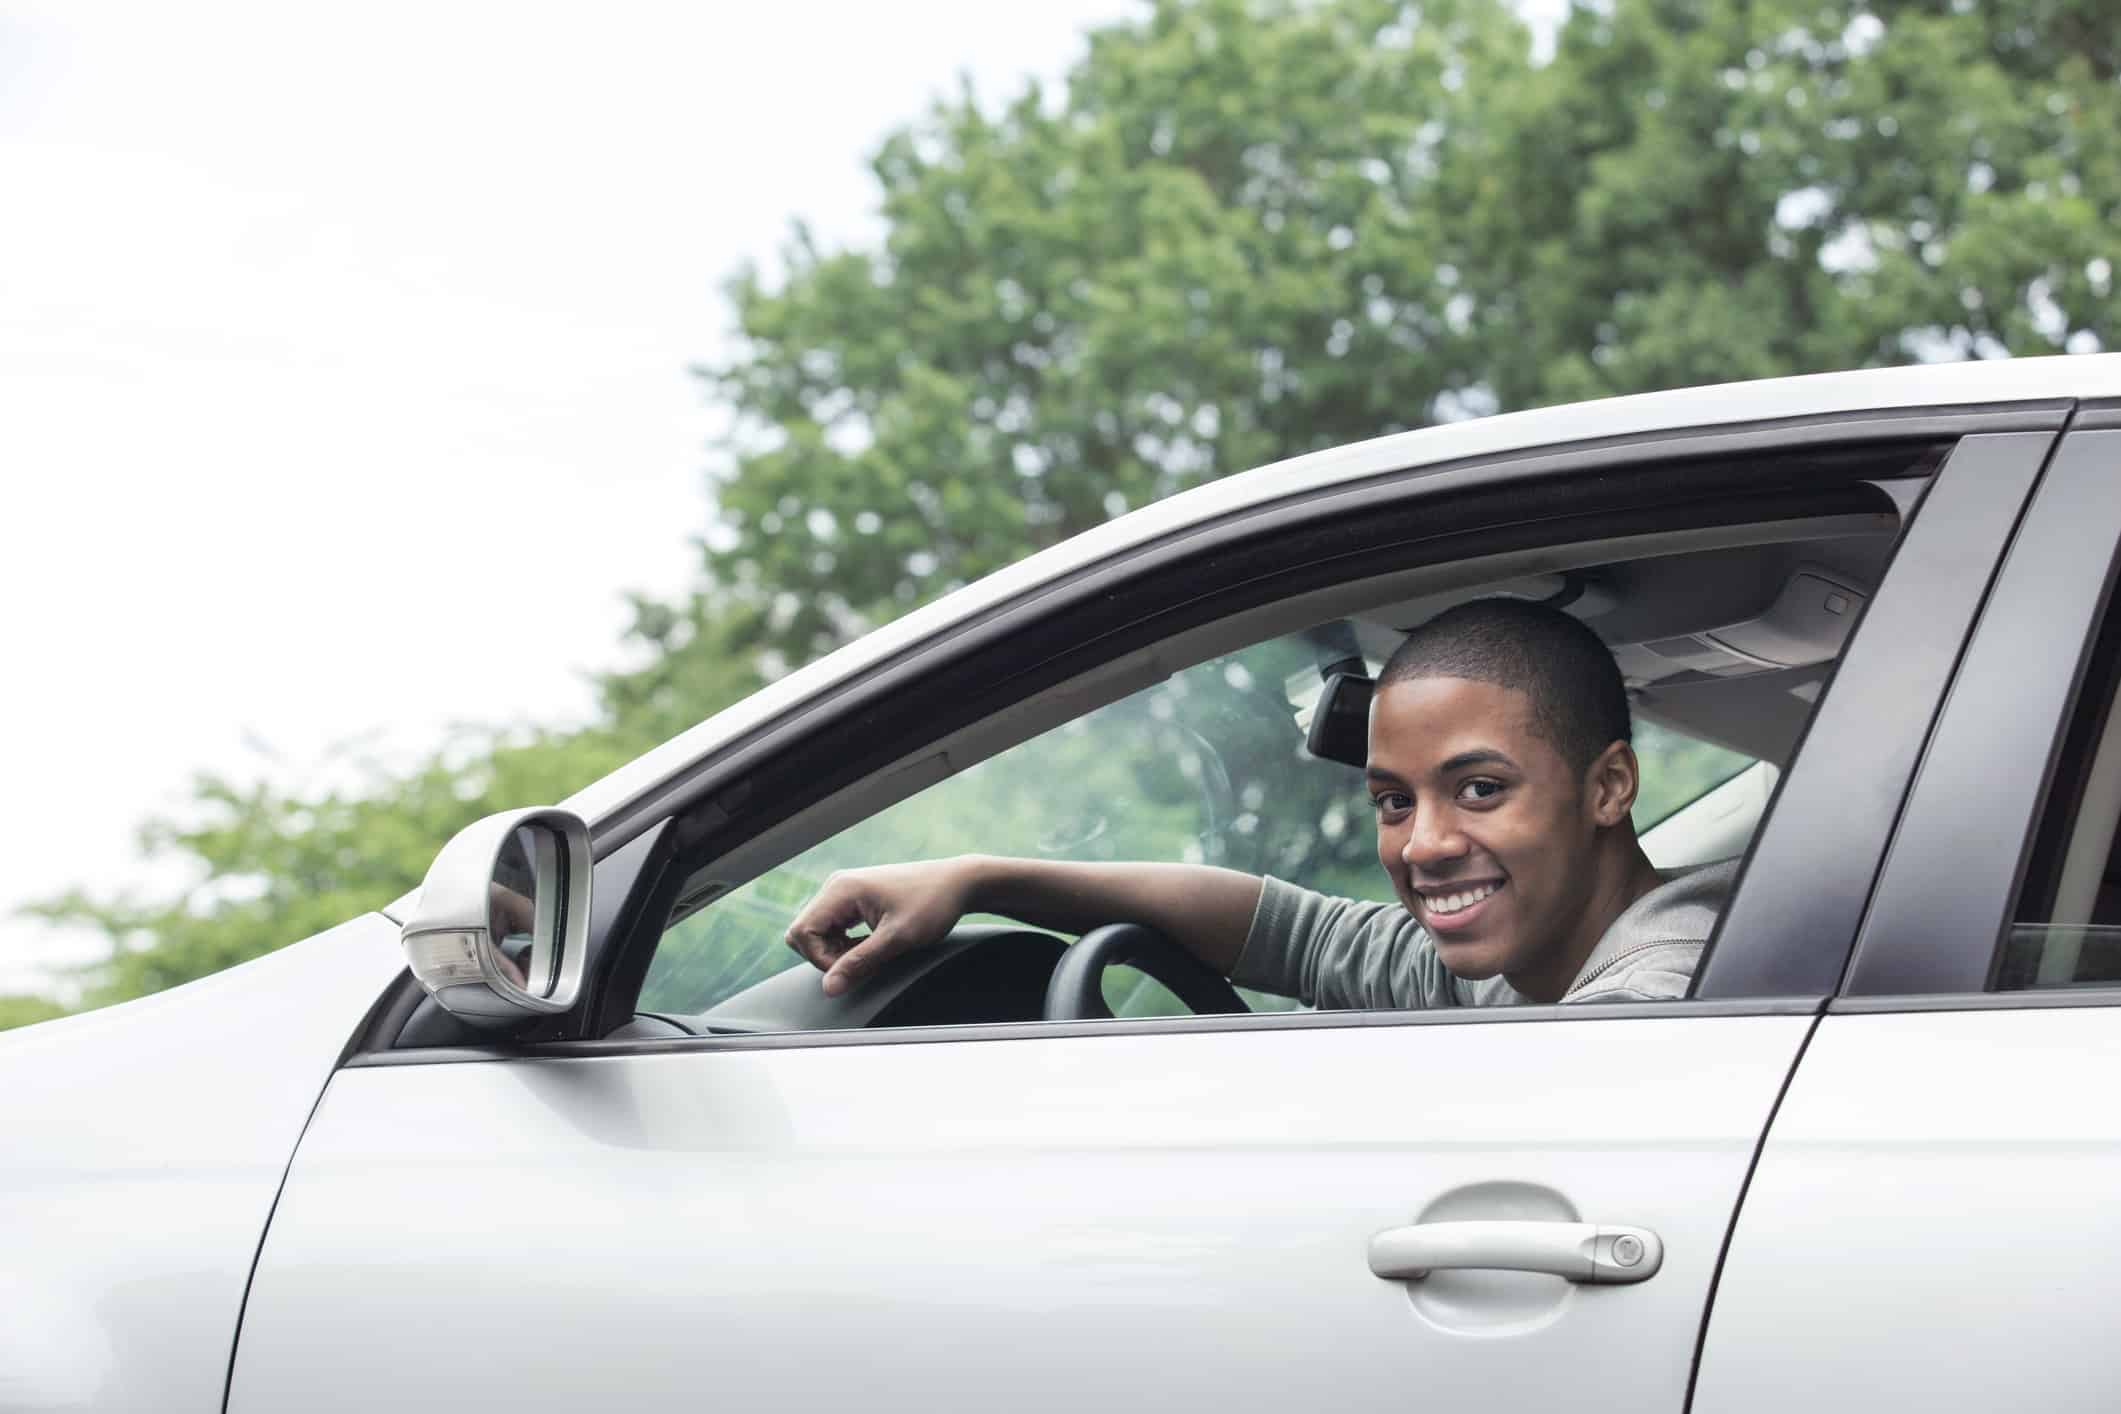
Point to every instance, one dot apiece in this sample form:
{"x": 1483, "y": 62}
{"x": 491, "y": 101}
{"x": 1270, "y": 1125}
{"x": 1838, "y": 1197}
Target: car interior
{"x": 1727, "y": 635}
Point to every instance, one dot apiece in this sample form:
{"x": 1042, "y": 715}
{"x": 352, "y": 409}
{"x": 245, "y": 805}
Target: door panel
{"x": 1035, "y": 1223}
{"x": 1933, "y": 1216}
{"x": 1933, "y": 1222}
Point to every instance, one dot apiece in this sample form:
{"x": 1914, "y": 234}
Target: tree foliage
{"x": 1216, "y": 248}
{"x": 274, "y": 864}
{"x": 1251, "y": 229}
{"x": 1709, "y": 192}
{"x": 1242, "y": 230}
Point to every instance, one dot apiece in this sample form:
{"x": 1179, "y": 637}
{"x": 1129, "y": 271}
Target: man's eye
{"x": 1480, "y": 789}
{"x": 1389, "y": 802}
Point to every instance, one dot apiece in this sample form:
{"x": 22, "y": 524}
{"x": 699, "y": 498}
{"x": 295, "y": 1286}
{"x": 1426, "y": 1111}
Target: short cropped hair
{"x": 1579, "y": 703}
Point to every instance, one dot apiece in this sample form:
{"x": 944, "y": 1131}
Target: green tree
{"x": 1246, "y": 229}
{"x": 1253, "y": 228}
{"x": 22, "y": 1010}
{"x": 1693, "y": 193}
{"x": 1214, "y": 249}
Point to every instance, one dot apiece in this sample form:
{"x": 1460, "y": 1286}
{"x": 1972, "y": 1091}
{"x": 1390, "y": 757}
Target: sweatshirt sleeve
{"x": 1338, "y": 953}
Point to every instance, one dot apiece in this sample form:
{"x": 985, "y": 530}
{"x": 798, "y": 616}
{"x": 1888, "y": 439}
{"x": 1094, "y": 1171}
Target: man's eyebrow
{"x": 1480, "y": 756}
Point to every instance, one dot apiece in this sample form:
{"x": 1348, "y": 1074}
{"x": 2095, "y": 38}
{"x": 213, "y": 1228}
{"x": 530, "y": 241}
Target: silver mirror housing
{"x": 501, "y": 931}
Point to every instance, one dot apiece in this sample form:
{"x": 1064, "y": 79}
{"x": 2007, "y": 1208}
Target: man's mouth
{"x": 1456, "y": 903}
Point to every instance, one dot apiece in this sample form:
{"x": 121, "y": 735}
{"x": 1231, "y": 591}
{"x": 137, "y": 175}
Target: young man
{"x": 1502, "y": 779}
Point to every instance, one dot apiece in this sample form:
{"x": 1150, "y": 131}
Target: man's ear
{"x": 1611, "y": 783}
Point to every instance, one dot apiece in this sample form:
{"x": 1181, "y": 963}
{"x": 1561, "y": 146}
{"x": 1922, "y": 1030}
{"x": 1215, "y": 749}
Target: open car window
{"x": 1208, "y": 766}
{"x": 1194, "y": 747}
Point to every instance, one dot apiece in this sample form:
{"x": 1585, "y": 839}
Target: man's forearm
{"x": 1205, "y": 910}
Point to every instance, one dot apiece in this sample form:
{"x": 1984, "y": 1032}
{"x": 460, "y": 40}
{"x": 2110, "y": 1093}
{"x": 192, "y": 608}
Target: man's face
{"x": 1486, "y": 830}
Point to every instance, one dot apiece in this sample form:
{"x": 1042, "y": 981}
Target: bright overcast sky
{"x": 323, "y": 327}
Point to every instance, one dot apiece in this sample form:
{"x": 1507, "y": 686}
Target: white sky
{"x": 320, "y": 323}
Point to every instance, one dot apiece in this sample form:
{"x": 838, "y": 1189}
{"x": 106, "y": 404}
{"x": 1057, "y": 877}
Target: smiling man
{"x": 1502, "y": 780}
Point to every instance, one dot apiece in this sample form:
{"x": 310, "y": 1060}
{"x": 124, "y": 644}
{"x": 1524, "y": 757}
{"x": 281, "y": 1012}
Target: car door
{"x": 1043, "y": 1216}
{"x": 1933, "y": 1218}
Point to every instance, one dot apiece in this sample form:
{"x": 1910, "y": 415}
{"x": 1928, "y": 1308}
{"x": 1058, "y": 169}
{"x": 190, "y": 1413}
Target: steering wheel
{"x": 1074, "y": 993}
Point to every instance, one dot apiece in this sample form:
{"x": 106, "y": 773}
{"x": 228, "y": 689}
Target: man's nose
{"x": 1433, "y": 838}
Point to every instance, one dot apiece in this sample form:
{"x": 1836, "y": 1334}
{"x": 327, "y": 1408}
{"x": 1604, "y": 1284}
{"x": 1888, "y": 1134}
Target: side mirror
{"x": 502, "y": 925}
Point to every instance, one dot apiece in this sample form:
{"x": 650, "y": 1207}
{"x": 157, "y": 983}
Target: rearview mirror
{"x": 502, "y": 925}
{"x": 1340, "y": 723}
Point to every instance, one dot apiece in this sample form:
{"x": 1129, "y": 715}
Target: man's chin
{"x": 1470, "y": 961}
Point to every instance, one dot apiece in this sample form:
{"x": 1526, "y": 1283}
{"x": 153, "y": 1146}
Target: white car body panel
{"x": 141, "y": 1148}
{"x": 1045, "y": 1223}
{"x": 1935, "y": 1214}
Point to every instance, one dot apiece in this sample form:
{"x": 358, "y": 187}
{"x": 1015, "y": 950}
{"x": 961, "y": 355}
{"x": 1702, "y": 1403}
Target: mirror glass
{"x": 524, "y": 902}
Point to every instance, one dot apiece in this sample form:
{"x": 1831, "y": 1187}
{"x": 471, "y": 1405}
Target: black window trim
{"x": 1836, "y": 810}
{"x": 1956, "y": 867}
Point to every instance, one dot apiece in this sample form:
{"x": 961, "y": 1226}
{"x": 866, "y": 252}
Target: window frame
{"x": 1931, "y": 937}
{"x": 1614, "y": 487}
{"x": 1651, "y": 503}
{"x": 1212, "y": 570}
{"x": 1637, "y": 486}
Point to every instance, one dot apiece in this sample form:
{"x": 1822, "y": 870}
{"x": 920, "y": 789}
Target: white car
{"x": 1874, "y": 1157}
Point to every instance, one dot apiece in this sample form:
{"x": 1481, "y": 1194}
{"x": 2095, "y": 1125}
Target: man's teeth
{"x": 1460, "y": 901}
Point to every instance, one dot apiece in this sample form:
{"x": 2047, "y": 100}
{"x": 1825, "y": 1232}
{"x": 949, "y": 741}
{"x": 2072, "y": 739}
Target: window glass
{"x": 1678, "y": 770}
{"x": 2067, "y": 928}
{"x": 1208, "y": 766}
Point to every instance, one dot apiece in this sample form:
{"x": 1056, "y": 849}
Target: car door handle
{"x": 1581, "y": 1252}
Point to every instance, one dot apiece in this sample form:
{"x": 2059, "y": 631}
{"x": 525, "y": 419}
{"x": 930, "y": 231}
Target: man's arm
{"x": 1204, "y": 910}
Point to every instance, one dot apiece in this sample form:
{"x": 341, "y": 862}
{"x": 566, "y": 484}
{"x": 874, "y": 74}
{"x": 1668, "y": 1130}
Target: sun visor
{"x": 1808, "y": 623}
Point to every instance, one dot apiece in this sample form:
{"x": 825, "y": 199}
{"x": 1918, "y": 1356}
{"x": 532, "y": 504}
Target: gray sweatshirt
{"x": 1337, "y": 953}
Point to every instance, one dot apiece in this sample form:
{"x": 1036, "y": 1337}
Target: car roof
{"x": 1729, "y": 404}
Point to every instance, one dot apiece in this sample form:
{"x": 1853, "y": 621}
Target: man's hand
{"x": 904, "y": 906}
{"x": 1205, "y": 911}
